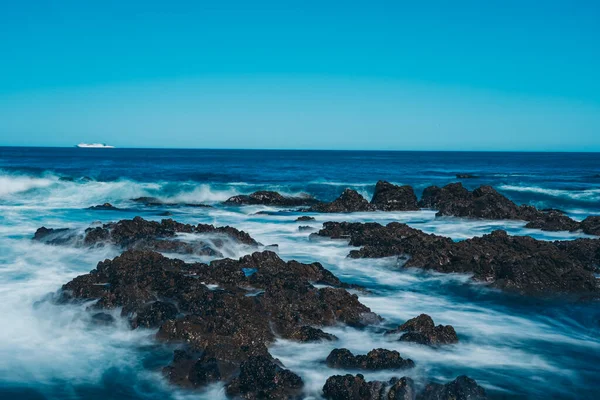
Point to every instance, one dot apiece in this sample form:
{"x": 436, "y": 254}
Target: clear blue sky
{"x": 418, "y": 75}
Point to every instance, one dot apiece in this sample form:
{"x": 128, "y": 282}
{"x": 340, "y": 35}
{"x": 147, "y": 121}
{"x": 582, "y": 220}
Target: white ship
{"x": 94, "y": 146}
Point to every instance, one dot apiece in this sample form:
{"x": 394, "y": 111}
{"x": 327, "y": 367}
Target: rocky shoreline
{"x": 224, "y": 315}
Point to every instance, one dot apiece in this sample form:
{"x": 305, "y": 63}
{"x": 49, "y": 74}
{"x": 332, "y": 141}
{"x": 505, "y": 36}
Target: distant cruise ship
{"x": 94, "y": 146}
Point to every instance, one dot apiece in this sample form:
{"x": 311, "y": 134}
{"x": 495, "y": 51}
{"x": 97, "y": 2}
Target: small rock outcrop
{"x": 389, "y": 197}
{"x": 376, "y": 359}
{"x": 142, "y": 234}
{"x": 423, "y": 330}
{"x": 269, "y": 198}
{"x": 305, "y": 218}
{"x": 349, "y": 201}
{"x": 355, "y": 387}
{"x": 462, "y": 388}
{"x": 104, "y": 207}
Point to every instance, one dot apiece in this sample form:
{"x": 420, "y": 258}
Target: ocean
{"x": 515, "y": 346}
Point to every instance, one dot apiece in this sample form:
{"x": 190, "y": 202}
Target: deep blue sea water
{"x": 516, "y": 347}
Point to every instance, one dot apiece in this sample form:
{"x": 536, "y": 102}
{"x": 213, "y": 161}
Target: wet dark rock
{"x": 591, "y": 225}
{"x": 552, "y": 221}
{"x": 376, "y": 359}
{"x": 270, "y": 198}
{"x": 310, "y": 334}
{"x": 515, "y": 263}
{"x": 354, "y": 387}
{"x": 466, "y": 176}
{"x": 587, "y": 251}
{"x": 462, "y": 388}
{"x": 104, "y": 207}
{"x": 141, "y": 234}
{"x": 261, "y": 378}
{"x": 154, "y": 314}
{"x": 485, "y": 202}
{"x": 422, "y": 330}
{"x": 389, "y": 197}
{"x": 55, "y": 236}
{"x": 304, "y": 228}
{"x": 222, "y": 328}
{"x": 304, "y": 218}
{"x": 349, "y": 201}
{"x": 102, "y": 319}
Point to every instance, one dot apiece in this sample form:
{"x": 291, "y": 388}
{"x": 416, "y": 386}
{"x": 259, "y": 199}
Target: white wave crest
{"x": 10, "y": 184}
{"x": 584, "y": 195}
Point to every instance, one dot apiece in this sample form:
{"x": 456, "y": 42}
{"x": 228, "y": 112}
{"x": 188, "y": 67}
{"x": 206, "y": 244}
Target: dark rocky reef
{"x": 269, "y": 198}
{"x": 139, "y": 233}
{"x": 389, "y": 197}
{"x": 305, "y": 218}
{"x": 515, "y": 263}
{"x": 485, "y": 202}
{"x": 423, "y": 330}
{"x": 462, "y": 388}
{"x": 376, "y": 359}
{"x": 349, "y": 201}
{"x": 224, "y": 331}
{"x": 104, "y": 207}
{"x": 466, "y": 176}
{"x": 355, "y": 387}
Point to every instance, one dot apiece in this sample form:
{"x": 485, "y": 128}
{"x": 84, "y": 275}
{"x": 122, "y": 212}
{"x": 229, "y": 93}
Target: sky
{"x": 378, "y": 75}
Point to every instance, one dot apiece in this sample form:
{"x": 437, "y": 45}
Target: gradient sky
{"x": 419, "y": 75}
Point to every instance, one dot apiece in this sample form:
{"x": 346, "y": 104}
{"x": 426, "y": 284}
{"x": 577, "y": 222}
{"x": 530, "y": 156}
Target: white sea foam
{"x": 12, "y": 184}
{"x": 583, "y": 195}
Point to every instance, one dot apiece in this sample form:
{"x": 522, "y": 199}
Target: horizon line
{"x": 303, "y": 149}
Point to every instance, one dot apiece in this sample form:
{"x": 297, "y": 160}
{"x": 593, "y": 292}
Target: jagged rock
{"x": 270, "y": 198}
{"x": 376, "y": 359}
{"x": 462, "y": 388}
{"x": 349, "y": 201}
{"x": 552, "y": 221}
{"x": 225, "y": 327}
{"x": 516, "y": 263}
{"x": 304, "y": 218}
{"x": 55, "y": 236}
{"x": 422, "y": 330}
{"x": 485, "y": 202}
{"x": 591, "y": 225}
{"x": 139, "y": 233}
{"x": 389, "y": 197}
{"x": 587, "y": 251}
{"x": 351, "y": 387}
{"x": 104, "y": 207}
{"x": 261, "y": 378}
{"x": 310, "y": 334}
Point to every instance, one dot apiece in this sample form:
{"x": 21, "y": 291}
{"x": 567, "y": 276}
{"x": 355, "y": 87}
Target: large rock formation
{"x": 423, "y": 330}
{"x": 485, "y": 202}
{"x": 270, "y": 198}
{"x": 139, "y": 233}
{"x": 516, "y": 263}
{"x": 389, "y": 197}
{"x": 376, "y": 359}
{"x": 225, "y": 327}
{"x": 349, "y": 201}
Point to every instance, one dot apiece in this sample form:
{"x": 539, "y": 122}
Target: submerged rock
{"x": 462, "y": 388}
{"x": 269, "y": 198}
{"x": 376, "y": 359}
{"x": 225, "y": 331}
{"x": 55, "y": 236}
{"x": 389, "y": 197}
{"x": 304, "y": 218}
{"x": 466, "y": 176}
{"x": 422, "y": 330}
{"x": 355, "y": 387}
{"x": 104, "y": 207}
{"x": 349, "y": 201}
{"x": 516, "y": 263}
